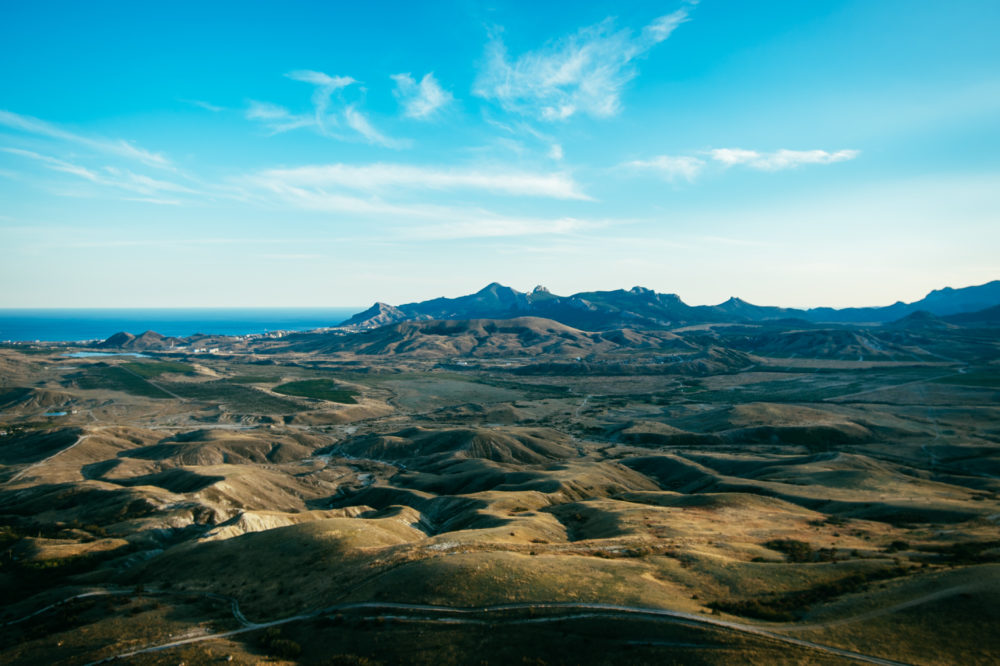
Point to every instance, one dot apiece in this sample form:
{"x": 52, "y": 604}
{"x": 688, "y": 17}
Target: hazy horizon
{"x": 794, "y": 154}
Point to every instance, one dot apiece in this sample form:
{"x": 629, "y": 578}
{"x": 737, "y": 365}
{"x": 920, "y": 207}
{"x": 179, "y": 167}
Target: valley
{"x": 498, "y": 490}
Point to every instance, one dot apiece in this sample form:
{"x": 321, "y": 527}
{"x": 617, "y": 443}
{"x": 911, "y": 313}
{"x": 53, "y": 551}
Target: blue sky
{"x": 333, "y": 154}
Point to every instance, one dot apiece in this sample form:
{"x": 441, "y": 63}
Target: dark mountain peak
{"x": 643, "y": 308}
{"x": 381, "y": 308}
{"x": 495, "y": 288}
{"x": 735, "y": 304}
{"x": 495, "y": 294}
{"x": 379, "y": 314}
{"x": 541, "y": 294}
{"x": 146, "y": 340}
{"x": 119, "y": 339}
{"x": 948, "y": 301}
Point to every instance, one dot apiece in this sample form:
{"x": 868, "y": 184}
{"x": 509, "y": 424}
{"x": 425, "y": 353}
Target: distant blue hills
{"x": 644, "y": 308}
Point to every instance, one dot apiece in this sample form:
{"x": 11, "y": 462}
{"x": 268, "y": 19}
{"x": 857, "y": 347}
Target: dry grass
{"x": 653, "y": 490}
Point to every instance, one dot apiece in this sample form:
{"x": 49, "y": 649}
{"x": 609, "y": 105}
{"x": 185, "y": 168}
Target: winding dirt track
{"x": 834, "y": 398}
{"x": 45, "y": 460}
{"x": 99, "y": 593}
{"x": 450, "y": 615}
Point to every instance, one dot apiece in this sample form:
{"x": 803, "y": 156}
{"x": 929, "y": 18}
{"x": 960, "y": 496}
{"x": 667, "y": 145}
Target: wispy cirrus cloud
{"x": 388, "y": 194}
{"x": 524, "y": 129}
{"x": 382, "y": 177}
{"x": 116, "y": 147}
{"x": 276, "y": 118}
{"x": 360, "y": 123}
{"x": 325, "y": 86}
{"x": 326, "y": 118}
{"x": 422, "y": 100}
{"x": 110, "y": 176}
{"x": 671, "y": 167}
{"x": 54, "y": 163}
{"x": 582, "y": 73}
{"x": 201, "y": 104}
{"x": 779, "y": 159}
{"x": 422, "y": 220}
{"x": 689, "y": 167}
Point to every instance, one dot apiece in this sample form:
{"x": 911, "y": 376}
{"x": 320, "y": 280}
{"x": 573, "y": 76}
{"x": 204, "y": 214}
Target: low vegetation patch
{"x": 254, "y": 379}
{"x": 24, "y": 578}
{"x": 800, "y": 551}
{"x": 115, "y": 378}
{"x": 985, "y": 379}
{"x": 274, "y": 644}
{"x": 25, "y": 349}
{"x": 897, "y": 546}
{"x": 239, "y": 398}
{"x": 789, "y": 606}
{"x": 966, "y": 552}
{"x": 157, "y": 368}
{"x": 318, "y": 389}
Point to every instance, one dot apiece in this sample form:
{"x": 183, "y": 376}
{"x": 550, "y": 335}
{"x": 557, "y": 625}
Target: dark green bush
{"x": 794, "y": 550}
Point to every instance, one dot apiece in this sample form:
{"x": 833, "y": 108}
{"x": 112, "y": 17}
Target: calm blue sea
{"x": 74, "y": 325}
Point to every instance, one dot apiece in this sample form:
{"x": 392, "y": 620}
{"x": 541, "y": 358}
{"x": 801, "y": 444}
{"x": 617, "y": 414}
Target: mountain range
{"x": 641, "y": 308}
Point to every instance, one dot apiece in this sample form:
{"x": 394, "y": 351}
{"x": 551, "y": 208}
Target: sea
{"x": 76, "y": 325}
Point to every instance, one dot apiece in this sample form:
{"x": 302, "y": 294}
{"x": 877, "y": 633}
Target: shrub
{"x": 787, "y": 606}
{"x": 272, "y": 641}
{"x": 794, "y": 550}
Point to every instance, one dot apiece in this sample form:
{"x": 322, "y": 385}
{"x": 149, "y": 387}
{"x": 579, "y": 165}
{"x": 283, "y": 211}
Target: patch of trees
{"x": 275, "y": 645}
{"x": 966, "y": 552}
{"x": 800, "y": 551}
{"x": 788, "y": 606}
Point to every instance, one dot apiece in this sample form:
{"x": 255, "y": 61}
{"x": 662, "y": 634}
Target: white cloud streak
{"x": 779, "y": 159}
{"x": 423, "y": 221}
{"x": 423, "y": 100}
{"x": 359, "y": 122}
{"x": 204, "y": 105}
{"x": 671, "y": 167}
{"x": 54, "y": 163}
{"x": 116, "y": 147}
{"x": 392, "y": 177}
{"x": 324, "y": 119}
{"x": 689, "y": 167}
{"x": 583, "y": 73}
{"x": 108, "y": 176}
{"x": 326, "y": 85}
{"x": 276, "y": 118}
{"x": 350, "y": 190}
